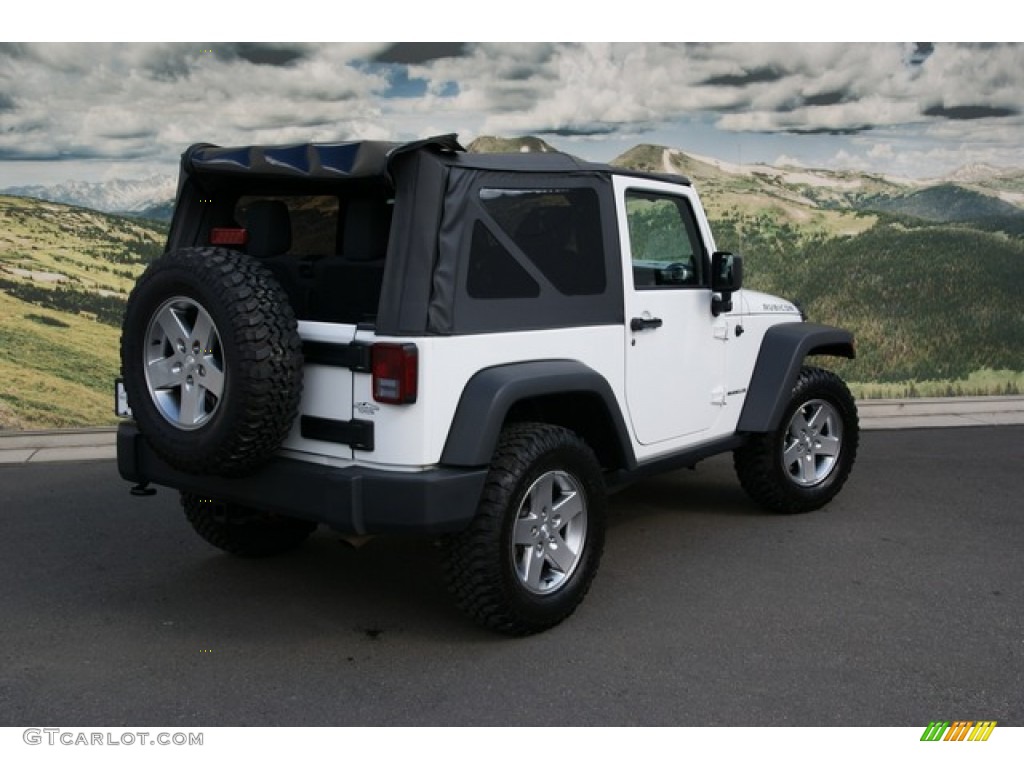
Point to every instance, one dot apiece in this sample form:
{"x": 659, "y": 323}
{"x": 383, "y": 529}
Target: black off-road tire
{"x": 242, "y": 353}
{"x": 803, "y": 464}
{"x": 242, "y": 531}
{"x": 544, "y": 498}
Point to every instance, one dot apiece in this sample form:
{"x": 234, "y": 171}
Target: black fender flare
{"x": 782, "y": 353}
{"x": 491, "y": 393}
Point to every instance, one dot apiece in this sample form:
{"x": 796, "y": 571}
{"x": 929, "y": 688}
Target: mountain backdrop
{"x": 927, "y": 274}
{"x": 152, "y": 197}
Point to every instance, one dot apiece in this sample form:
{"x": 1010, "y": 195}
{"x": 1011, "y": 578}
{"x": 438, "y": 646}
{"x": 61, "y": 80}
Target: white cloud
{"x": 123, "y": 100}
{"x": 881, "y": 151}
{"x": 786, "y": 160}
{"x": 805, "y": 87}
{"x": 142, "y": 101}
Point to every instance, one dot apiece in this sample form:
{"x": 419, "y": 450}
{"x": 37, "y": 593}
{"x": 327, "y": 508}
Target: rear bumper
{"x": 352, "y": 500}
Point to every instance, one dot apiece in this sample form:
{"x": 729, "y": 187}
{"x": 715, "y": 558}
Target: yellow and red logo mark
{"x": 959, "y": 730}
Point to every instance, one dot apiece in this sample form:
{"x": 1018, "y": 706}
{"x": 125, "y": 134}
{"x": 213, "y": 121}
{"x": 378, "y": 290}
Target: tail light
{"x": 395, "y": 373}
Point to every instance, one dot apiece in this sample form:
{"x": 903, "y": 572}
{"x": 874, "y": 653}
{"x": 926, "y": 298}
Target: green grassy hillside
{"x": 65, "y": 274}
{"x": 767, "y": 196}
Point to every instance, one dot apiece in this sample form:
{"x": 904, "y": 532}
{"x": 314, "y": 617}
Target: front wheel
{"x": 530, "y": 554}
{"x": 802, "y": 465}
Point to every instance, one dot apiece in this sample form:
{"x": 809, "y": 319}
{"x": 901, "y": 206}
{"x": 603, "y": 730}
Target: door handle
{"x": 643, "y": 323}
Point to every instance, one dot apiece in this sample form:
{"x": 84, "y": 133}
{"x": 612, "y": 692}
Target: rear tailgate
{"x": 325, "y": 426}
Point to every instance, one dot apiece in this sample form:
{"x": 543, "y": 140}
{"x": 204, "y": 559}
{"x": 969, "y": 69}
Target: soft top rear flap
{"x": 334, "y": 161}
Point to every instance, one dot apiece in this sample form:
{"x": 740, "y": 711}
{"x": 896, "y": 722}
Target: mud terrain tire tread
{"x": 479, "y": 568}
{"x": 759, "y": 464}
{"x": 263, "y": 359}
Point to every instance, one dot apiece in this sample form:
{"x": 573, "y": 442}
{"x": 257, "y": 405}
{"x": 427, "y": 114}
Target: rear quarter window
{"x": 553, "y": 232}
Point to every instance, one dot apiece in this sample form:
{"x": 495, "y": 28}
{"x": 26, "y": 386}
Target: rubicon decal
{"x": 958, "y": 730}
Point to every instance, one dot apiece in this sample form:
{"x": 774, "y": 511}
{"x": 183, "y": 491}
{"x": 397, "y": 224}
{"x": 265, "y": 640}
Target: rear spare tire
{"x": 212, "y": 360}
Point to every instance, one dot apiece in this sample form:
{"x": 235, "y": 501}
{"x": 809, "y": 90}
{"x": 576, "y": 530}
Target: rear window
{"x": 314, "y": 220}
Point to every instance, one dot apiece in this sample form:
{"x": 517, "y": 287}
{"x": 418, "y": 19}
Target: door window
{"x": 666, "y": 247}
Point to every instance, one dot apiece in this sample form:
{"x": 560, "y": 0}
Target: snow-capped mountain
{"x": 976, "y": 172}
{"x": 114, "y": 196}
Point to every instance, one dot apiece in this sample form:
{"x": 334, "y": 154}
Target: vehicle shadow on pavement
{"x": 711, "y": 488}
{"x": 325, "y": 588}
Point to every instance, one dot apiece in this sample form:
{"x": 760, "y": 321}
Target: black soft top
{"x": 336, "y": 160}
{"x": 436, "y": 186}
{"x": 373, "y": 160}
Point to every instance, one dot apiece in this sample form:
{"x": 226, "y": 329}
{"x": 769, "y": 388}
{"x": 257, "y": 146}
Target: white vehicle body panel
{"x": 326, "y": 393}
{"x": 674, "y": 373}
{"x": 677, "y": 386}
{"x": 413, "y": 436}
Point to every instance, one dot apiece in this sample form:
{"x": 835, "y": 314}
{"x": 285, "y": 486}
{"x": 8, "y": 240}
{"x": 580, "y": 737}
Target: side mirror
{"x": 726, "y": 272}
{"x": 726, "y": 277}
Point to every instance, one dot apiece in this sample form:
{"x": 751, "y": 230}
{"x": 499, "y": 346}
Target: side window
{"x": 494, "y": 273}
{"x": 557, "y": 232}
{"x": 664, "y": 241}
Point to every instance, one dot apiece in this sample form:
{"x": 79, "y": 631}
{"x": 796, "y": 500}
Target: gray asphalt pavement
{"x": 899, "y": 604}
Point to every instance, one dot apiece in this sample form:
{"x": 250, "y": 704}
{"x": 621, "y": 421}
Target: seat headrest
{"x": 367, "y": 228}
{"x": 270, "y": 228}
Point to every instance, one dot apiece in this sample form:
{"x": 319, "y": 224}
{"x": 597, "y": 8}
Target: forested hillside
{"x": 925, "y": 301}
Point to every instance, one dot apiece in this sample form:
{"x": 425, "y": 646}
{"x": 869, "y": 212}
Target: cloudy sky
{"x": 96, "y": 111}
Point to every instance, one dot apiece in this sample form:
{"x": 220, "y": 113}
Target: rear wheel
{"x": 802, "y": 465}
{"x": 243, "y": 531}
{"x": 531, "y": 552}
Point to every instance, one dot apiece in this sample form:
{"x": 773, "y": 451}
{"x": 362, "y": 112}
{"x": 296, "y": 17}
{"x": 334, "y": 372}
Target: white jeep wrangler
{"x": 407, "y": 338}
